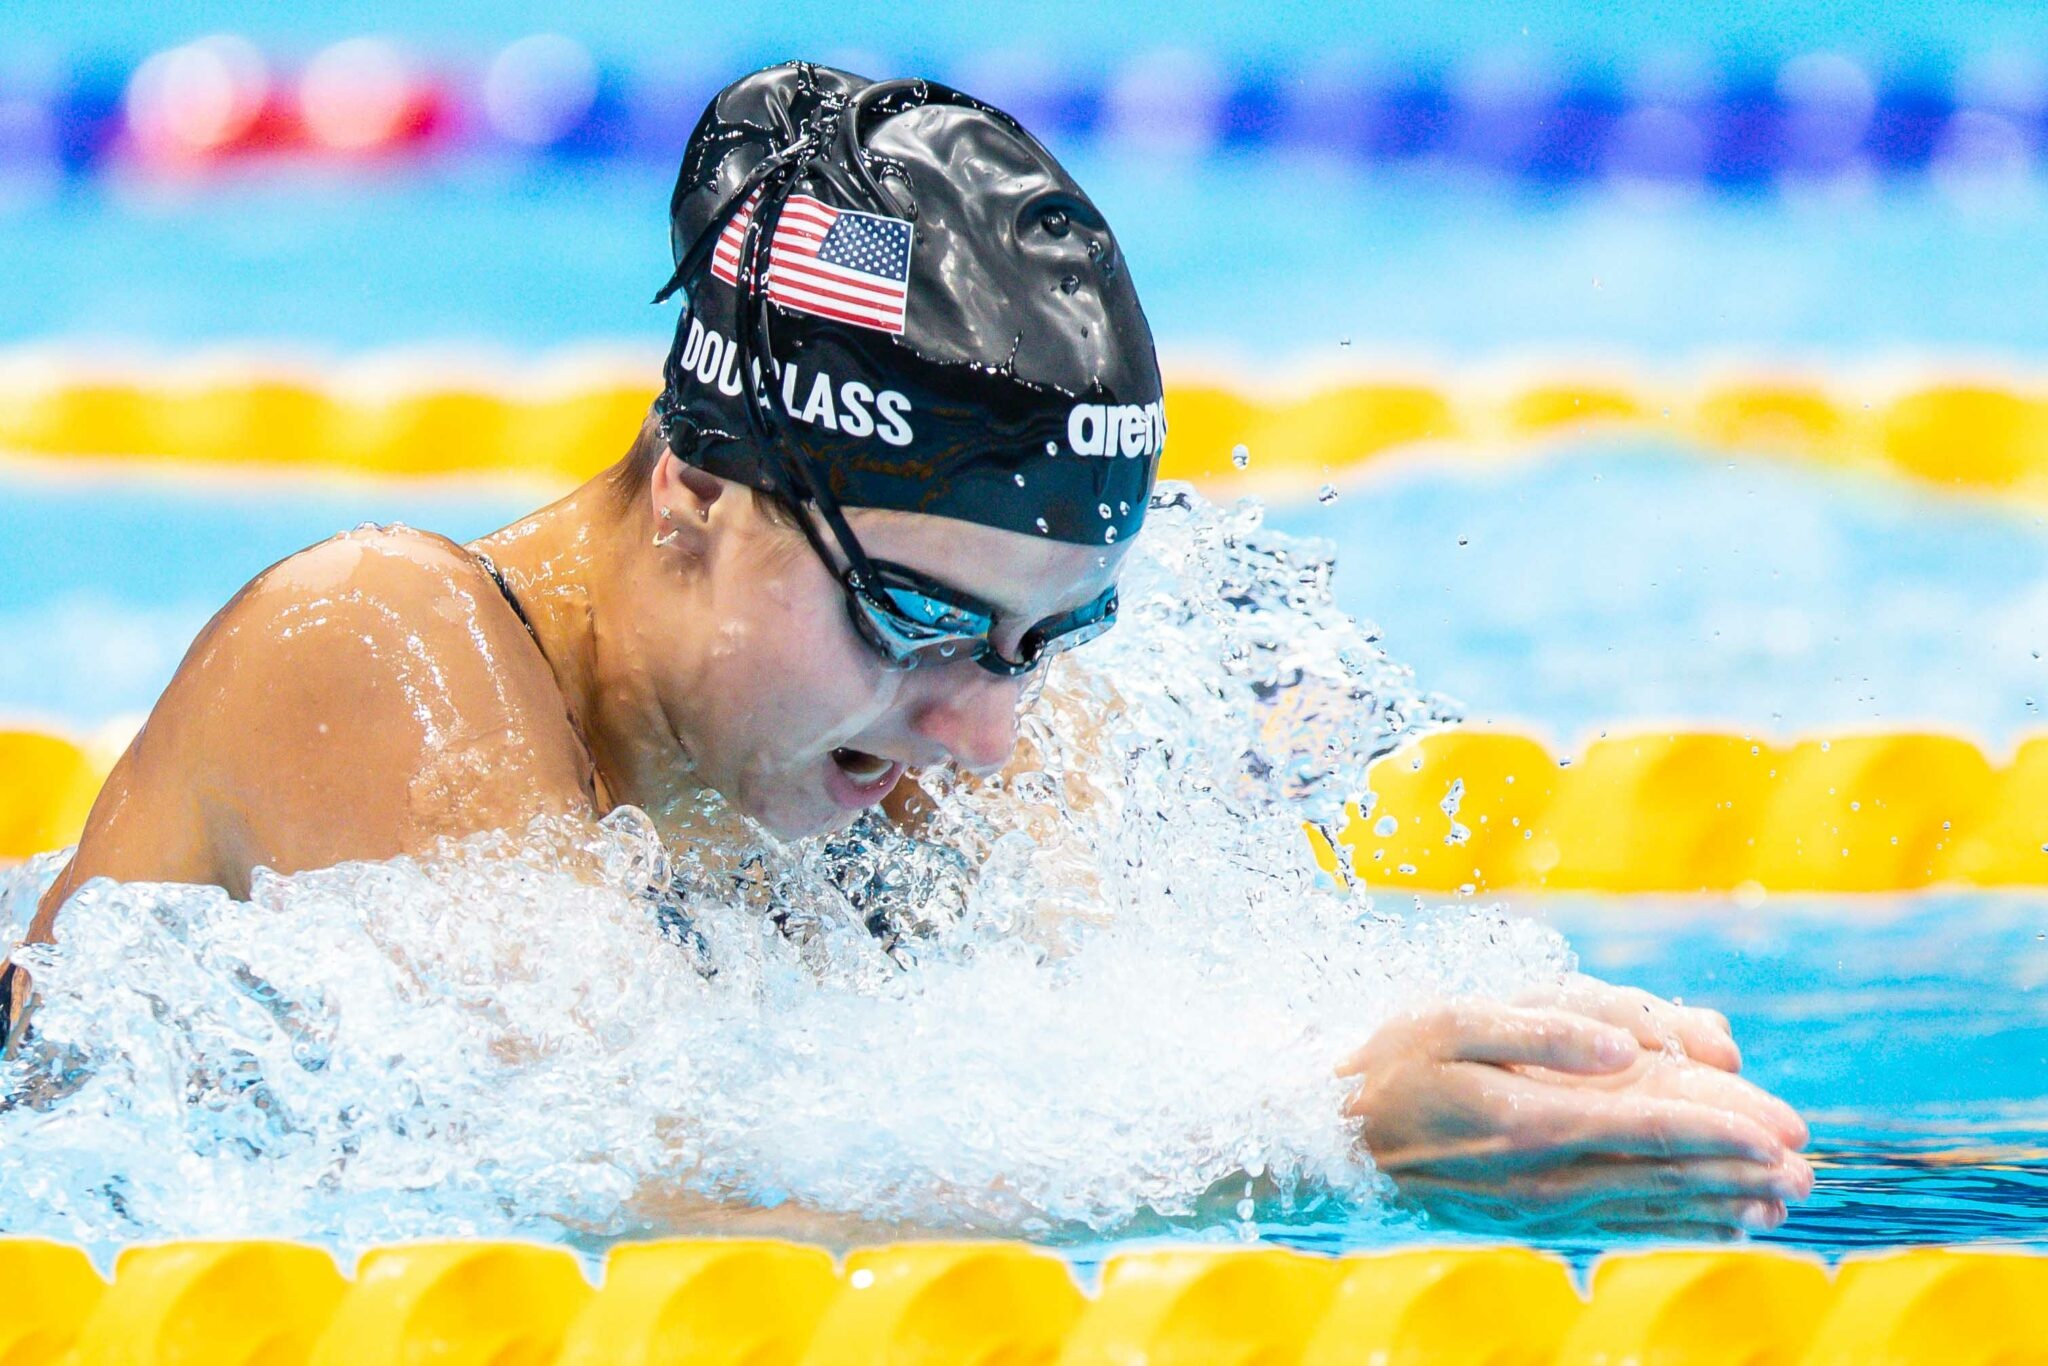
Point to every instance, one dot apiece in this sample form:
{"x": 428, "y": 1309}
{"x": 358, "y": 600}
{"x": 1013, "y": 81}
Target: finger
{"x": 1528, "y": 1124}
{"x": 1605, "y": 1181}
{"x": 1563, "y": 1040}
{"x": 1748, "y": 1214}
{"x": 1594, "y": 1182}
{"x": 1634, "y": 1125}
{"x": 1703, "y": 1035}
{"x": 1685, "y": 1080}
{"x": 1706, "y": 1037}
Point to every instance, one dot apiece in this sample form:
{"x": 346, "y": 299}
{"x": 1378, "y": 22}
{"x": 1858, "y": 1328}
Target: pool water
{"x": 1911, "y": 1030}
{"x": 1599, "y": 586}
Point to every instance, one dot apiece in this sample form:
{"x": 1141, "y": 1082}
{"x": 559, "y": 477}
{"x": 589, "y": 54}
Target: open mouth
{"x": 861, "y": 768}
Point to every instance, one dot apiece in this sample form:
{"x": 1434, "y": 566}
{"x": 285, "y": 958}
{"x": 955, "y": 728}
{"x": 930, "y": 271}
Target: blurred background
{"x": 1304, "y": 191}
{"x": 1846, "y": 196}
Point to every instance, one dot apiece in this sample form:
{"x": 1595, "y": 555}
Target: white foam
{"x": 1094, "y": 993}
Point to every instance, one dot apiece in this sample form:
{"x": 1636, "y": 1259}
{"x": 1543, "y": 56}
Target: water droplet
{"x": 1123, "y": 507}
{"x": 1464, "y": 540}
{"x": 1055, "y": 222}
{"x": 1343, "y": 341}
{"x": 1020, "y": 480}
{"x": 1385, "y": 825}
{"x": 1240, "y": 456}
{"x": 1407, "y": 868}
{"x": 1052, "y": 448}
{"x": 1103, "y": 508}
{"x": 1327, "y": 494}
{"x": 1108, "y": 535}
{"x": 1042, "y": 527}
{"x": 1069, "y": 283}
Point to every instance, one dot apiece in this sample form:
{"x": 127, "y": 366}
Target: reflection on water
{"x": 1913, "y": 1031}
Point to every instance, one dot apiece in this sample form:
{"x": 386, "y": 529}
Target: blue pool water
{"x": 1912, "y": 1030}
{"x": 1232, "y": 259}
{"x": 1737, "y": 593}
{"x": 1610, "y": 584}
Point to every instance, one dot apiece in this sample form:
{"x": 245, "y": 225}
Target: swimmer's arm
{"x": 357, "y": 701}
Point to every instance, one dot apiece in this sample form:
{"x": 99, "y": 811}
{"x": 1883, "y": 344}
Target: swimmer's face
{"x": 777, "y": 699}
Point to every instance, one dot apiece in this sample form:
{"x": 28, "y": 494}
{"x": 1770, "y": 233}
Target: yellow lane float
{"x": 1693, "y": 812}
{"x": 932, "y": 1304}
{"x": 1484, "y": 810}
{"x": 561, "y": 418}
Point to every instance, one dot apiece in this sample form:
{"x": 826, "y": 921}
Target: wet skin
{"x": 376, "y": 692}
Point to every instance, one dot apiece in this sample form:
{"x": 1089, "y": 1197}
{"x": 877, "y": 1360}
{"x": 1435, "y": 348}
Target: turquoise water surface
{"x": 1604, "y": 585}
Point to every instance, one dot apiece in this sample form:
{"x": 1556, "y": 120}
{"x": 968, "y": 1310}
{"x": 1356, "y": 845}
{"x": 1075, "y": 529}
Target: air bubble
{"x": 1385, "y": 826}
{"x": 1052, "y": 448}
{"x": 1240, "y": 456}
{"x": 417, "y": 1016}
{"x": 1327, "y": 494}
{"x": 1020, "y": 480}
{"x": 1042, "y": 527}
{"x": 1108, "y": 535}
{"x": 1103, "y": 508}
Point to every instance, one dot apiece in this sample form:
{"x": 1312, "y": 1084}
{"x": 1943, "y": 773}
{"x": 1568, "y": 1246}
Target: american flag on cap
{"x": 841, "y": 264}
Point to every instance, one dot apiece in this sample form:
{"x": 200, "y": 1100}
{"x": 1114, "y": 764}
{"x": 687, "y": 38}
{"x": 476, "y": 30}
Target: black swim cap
{"x": 896, "y": 298}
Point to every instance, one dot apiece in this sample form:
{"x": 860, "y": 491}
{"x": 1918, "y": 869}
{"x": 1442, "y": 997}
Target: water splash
{"x": 1085, "y": 996}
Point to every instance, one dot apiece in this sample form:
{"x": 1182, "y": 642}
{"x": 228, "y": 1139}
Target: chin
{"x": 798, "y": 819}
{"x": 823, "y": 825}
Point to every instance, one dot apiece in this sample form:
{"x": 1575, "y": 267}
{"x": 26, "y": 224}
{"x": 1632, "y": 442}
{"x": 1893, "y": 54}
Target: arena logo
{"x": 850, "y": 407}
{"x": 1112, "y": 429}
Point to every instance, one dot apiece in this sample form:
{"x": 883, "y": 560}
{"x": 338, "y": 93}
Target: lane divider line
{"x": 686, "y": 1301}
{"x": 562, "y": 421}
{"x": 1487, "y": 811}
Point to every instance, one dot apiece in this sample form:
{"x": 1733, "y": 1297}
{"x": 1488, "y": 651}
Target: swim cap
{"x": 896, "y": 298}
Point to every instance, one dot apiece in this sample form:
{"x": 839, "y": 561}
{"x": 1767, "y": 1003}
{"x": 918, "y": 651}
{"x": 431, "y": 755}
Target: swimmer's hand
{"x": 1573, "y": 1117}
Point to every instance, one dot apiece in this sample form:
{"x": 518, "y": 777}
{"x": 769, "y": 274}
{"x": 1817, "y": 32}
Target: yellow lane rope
{"x": 731, "y": 1300}
{"x": 1490, "y": 811}
{"x": 562, "y": 419}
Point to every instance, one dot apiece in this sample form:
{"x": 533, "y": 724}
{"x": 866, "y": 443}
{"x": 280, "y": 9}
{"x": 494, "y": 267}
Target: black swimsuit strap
{"x": 511, "y": 598}
{"x": 11, "y": 978}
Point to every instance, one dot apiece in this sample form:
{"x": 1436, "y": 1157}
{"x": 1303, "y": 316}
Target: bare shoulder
{"x": 356, "y": 700}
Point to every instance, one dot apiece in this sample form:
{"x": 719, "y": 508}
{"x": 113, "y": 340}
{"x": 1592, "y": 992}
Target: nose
{"x": 973, "y": 713}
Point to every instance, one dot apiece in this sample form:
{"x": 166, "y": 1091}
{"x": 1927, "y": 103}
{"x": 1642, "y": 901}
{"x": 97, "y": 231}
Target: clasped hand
{"x": 1589, "y": 1108}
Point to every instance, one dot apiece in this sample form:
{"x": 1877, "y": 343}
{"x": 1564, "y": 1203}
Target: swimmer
{"x": 907, "y": 431}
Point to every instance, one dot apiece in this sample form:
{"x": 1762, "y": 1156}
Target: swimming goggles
{"x": 911, "y": 620}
